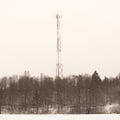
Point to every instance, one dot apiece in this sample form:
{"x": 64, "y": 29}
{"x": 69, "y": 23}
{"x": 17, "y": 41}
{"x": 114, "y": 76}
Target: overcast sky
{"x": 90, "y": 35}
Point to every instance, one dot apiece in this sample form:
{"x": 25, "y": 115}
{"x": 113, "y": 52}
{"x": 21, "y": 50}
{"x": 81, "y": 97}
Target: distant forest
{"x": 77, "y": 94}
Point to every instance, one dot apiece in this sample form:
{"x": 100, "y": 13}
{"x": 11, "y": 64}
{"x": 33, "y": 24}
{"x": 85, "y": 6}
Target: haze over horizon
{"x": 90, "y": 35}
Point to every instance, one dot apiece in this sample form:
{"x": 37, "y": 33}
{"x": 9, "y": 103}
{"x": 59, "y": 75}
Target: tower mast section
{"x": 59, "y": 67}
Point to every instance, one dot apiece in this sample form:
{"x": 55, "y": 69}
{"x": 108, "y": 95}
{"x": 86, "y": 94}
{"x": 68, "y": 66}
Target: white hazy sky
{"x": 90, "y": 34}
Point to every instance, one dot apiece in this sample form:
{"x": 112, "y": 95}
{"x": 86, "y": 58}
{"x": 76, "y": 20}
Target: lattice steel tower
{"x": 59, "y": 66}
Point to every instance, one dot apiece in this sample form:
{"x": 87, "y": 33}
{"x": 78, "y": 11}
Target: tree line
{"x": 77, "y": 94}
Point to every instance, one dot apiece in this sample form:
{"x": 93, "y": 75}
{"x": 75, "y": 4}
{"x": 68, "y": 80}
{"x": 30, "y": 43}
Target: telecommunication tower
{"x": 59, "y": 67}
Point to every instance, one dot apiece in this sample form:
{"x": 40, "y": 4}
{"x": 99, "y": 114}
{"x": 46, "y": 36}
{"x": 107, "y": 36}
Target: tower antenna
{"x": 59, "y": 66}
